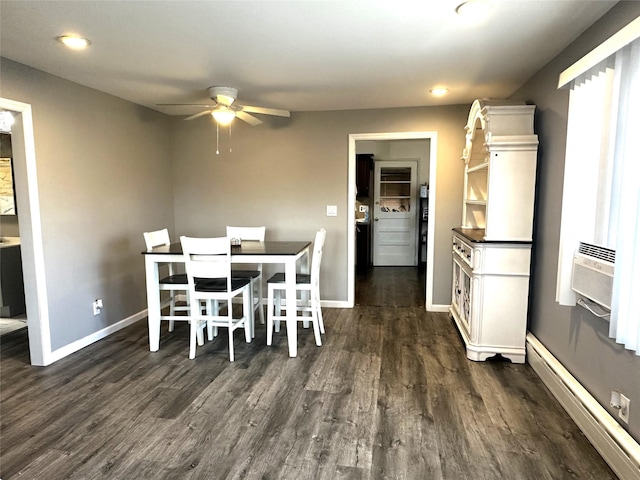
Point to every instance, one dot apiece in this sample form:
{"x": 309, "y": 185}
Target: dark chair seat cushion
{"x": 220, "y": 284}
{"x": 300, "y": 278}
{"x": 245, "y": 273}
{"x": 178, "y": 279}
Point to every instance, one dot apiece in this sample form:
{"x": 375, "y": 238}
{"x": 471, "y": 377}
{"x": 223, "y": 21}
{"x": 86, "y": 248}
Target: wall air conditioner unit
{"x": 593, "y": 273}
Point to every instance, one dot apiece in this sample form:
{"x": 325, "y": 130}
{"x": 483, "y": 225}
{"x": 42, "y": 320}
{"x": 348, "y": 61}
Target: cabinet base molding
{"x": 480, "y": 353}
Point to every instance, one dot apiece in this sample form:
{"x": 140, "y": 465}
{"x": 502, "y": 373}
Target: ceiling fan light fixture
{"x": 224, "y": 116}
{"x": 74, "y": 41}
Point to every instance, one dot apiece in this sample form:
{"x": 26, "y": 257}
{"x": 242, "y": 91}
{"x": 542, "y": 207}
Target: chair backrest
{"x": 247, "y": 233}
{"x": 207, "y": 258}
{"x": 156, "y": 238}
{"x": 316, "y": 260}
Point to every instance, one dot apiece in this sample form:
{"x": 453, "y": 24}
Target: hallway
{"x": 391, "y": 287}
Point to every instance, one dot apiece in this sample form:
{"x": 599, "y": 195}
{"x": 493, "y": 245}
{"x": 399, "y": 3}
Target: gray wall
{"x": 284, "y": 173}
{"x": 578, "y": 339}
{"x": 104, "y": 178}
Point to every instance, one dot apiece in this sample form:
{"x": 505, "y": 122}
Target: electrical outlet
{"x": 97, "y": 307}
{"x": 625, "y": 403}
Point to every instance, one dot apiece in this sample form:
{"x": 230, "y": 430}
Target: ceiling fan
{"x": 225, "y": 110}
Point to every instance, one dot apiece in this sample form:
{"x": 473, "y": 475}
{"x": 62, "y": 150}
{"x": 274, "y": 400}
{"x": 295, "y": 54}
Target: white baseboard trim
{"x": 344, "y": 304}
{"x": 94, "y": 337}
{"x": 619, "y": 449}
{"x": 334, "y": 304}
{"x": 439, "y": 308}
{"x": 323, "y": 303}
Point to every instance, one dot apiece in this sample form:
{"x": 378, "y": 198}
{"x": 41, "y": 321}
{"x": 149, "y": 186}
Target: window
{"x": 601, "y": 197}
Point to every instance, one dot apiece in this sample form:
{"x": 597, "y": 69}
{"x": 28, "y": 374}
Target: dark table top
{"x": 248, "y": 247}
{"x": 477, "y": 235}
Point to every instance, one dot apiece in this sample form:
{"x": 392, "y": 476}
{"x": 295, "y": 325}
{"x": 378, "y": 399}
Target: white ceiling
{"x": 295, "y": 55}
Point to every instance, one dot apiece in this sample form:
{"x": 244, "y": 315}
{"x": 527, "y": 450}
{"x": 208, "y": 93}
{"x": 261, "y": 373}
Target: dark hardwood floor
{"x": 390, "y": 395}
{"x": 390, "y": 287}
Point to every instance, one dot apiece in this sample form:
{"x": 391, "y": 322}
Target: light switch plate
{"x": 332, "y": 210}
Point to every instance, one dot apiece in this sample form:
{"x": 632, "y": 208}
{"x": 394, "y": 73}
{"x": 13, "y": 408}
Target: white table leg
{"x": 292, "y": 330}
{"x": 153, "y": 302}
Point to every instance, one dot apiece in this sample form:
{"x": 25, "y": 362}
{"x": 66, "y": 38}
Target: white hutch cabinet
{"x": 492, "y": 249}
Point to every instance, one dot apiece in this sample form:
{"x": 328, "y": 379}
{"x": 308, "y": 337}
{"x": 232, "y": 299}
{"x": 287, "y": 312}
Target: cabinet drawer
{"x": 463, "y": 250}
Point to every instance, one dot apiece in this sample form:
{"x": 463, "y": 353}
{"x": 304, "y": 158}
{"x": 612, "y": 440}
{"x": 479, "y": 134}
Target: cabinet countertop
{"x": 6, "y": 242}
{"x": 476, "y": 235}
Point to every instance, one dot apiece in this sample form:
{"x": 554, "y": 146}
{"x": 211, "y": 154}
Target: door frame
{"x": 351, "y": 206}
{"x": 31, "y": 244}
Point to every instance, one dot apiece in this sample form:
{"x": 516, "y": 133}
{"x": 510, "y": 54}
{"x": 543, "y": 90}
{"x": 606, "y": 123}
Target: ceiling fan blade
{"x": 184, "y": 105}
{"x": 200, "y": 114}
{"x": 266, "y": 111}
{"x": 250, "y": 119}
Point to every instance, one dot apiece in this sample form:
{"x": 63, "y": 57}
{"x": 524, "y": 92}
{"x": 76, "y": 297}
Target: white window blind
{"x": 625, "y": 218}
{"x": 601, "y": 196}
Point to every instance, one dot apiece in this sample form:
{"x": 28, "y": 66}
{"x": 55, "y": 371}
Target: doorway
{"x": 12, "y": 308}
{"x": 391, "y": 287}
{"x": 431, "y": 138}
{"x": 32, "y": 249}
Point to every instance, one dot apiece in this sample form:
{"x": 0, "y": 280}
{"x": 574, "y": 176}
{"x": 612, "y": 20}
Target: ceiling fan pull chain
{"x": 229, "y": 138}
{"x": 217, "y": 139}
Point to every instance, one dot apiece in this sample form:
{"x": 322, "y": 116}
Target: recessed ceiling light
{"x": 474, "y": 8}
{"x": 439, "y": 91}
{"x": 74, "y": 41}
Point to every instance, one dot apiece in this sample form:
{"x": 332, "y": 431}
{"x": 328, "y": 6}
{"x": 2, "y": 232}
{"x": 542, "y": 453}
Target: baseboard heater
{"x": 619, "y": 449}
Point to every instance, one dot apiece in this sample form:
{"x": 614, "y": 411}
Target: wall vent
{"x": 597, "y": 251}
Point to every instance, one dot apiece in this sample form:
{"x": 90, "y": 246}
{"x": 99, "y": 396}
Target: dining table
{"x": 291, "y": 254}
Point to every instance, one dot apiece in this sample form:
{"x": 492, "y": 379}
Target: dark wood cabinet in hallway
{"x": 390, "y": 395}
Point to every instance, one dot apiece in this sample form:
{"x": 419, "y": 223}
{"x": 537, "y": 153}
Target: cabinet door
{"x": 362, "y": 247}
{"x": 456, "y": 293}
{"x": 364, "y": 164}
{"x": 461, "y": 295}
{"x": 466, "y": 298}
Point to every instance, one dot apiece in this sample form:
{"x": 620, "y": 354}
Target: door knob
{"x": 376, "y": 219}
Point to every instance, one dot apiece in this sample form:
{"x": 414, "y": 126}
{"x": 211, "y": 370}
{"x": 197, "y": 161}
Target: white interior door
{"x": 394, "y": 213}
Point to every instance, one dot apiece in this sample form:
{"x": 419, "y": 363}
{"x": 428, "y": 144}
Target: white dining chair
{"x": 309, "y": 302}
{"x": 208, "y": 266}
{"x": 253, "y": 272}
{"x": 174, "y": 283}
